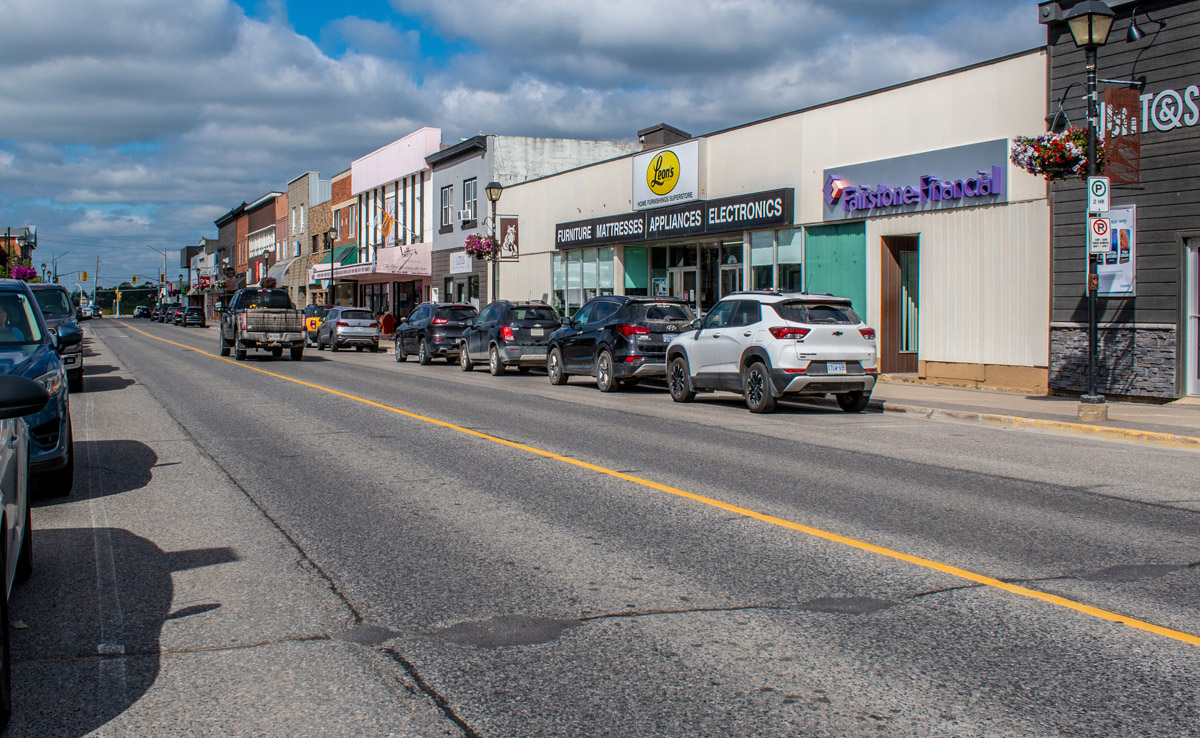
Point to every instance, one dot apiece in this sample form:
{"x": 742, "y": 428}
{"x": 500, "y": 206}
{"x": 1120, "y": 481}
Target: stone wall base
{"x": 1130, "y": 362}
{"x": 989, "y": 376}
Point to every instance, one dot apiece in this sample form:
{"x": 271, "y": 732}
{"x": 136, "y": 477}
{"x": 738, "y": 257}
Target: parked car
{"x": 141, "y": 311}
{"x": 27, "y": 349}
{"x": 96, "y": 312}
{"x": 313, "y": 315}
{"x": 55, "y": 303}
{"x": 165, "y": 311}
{"x": 18, "y": 397}
{"x": 508, "y": 334}
{"x": 765, "y": 345}
{"x": 433, "y": 329}
{"x": 262, "y": 318}
{"x": 617, "y": 339}
{"x": 156, "y": 312}
{"x": 348, "y": 326}
{"x": 177, "y": 313}
{"x": 194, "y": 315}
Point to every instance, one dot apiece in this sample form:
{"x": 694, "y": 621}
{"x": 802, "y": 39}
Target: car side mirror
{"x": 696, "y": 323}
{"x": 20, "y": 396}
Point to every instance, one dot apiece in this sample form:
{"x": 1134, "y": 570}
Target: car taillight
{"x": 373, "y": 325}
{"x": 632, "y": 330}
{"x": 871, "y": 370}
{"x": 867, "y": 333}
{"x": 506, "y": 334}
{"x": 783, "y": 331}
{"x": 341, "y": 324}
{"x": 439, "y": 321}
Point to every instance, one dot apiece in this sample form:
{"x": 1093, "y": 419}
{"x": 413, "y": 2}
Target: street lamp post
{"x": 330, "y": 237}
{"x": 1090, "y": 21}
{"x": 494, "y": 190}
{"x": 43, "y": 271}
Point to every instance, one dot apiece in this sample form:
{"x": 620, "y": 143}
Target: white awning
{"x": 280, "y": 269}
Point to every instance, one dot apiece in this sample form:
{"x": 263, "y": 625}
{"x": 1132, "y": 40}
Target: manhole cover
{"x": 846, "y": 605}
{"x": 1132, "y": 572}
{"x": 506, "y": 630}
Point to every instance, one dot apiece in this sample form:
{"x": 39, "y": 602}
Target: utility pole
{"x": 96, "y": 284}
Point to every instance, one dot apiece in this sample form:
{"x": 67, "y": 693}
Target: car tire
{"x": 297, "y": 354}
{"x": 555, "y": 369}
{"x": 25, "y": 558}
{"x": 606, "y": 380}
{"x": 495, "y": 365}
{"x": 854, "y": 402}
{"x": 75, "y": 381}
{"x": 679, "y": 380}
{"x": 58, "y": 483}
{"x": 757, "y": 388}
{"x": 464, "y": 360}
{"x": 5, "y": 654}
{"x": 333, "y": 344}
{"x": 224, "y": 347}
{"x": 375, "y": 348}
{"x": 401, "y": 356}
{"x": 239, "y": 352}
{"x": 320, "y": 346}
{"x": 423, "y": 357}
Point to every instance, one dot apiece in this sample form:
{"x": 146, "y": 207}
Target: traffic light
{"x": 85, "y": 276}
{"x": 135, "y": 279}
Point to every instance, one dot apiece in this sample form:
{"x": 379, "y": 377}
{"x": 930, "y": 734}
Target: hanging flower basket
{"x": 480, "y": 247}
{"x": 268, "y": 283}
{"x": 24, "y": 273}
{"x": 1056, "y": 156}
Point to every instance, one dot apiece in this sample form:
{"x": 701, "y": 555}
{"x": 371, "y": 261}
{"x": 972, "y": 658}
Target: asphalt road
{"x": 351, "y": 546}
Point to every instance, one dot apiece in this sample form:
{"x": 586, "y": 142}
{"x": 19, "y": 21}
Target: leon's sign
{"x": 667, "y": 176}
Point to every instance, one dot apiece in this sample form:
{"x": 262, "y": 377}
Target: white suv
{"x": 765, "y": 345}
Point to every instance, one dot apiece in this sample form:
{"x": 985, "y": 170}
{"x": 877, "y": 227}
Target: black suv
{"x": 617, "y": 338}
{"x": 60, "y": 317}
{"x": 433, "y": 329}
{"x": 508, "y": 334}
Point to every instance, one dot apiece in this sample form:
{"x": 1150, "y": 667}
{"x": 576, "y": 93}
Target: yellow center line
{"x": 737, "y": 510}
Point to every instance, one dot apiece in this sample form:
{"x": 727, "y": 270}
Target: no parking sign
{"x": 1098, "y": 237}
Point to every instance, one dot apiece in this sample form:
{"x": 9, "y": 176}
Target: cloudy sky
{"x": 128, "y": 126}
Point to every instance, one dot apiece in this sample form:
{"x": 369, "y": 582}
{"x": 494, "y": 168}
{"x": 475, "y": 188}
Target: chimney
{"x": 661, "y": 135}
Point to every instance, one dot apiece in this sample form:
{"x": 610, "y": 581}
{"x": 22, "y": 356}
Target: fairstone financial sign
{"x": 726, "y": 215}
{"x": 963, "y": 176}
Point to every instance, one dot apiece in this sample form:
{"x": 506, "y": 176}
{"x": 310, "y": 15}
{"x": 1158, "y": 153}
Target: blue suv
{"x": 27, "y": 349}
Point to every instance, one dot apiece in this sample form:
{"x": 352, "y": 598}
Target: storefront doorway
{"x": 1192, "y": 308}
{"x": 899, "y": 304}
{"x": 684, "y": 283}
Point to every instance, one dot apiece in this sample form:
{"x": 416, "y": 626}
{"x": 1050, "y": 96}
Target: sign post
{"x": 1098, "y": 195}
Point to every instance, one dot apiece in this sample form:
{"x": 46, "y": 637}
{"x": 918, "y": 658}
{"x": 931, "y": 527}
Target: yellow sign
{"x": 663, "y": 173}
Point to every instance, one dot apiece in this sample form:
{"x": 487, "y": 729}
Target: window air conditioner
{"x": 466, "y": 214}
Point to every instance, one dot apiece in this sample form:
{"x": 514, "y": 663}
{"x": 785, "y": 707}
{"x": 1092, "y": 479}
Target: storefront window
{"x": 591, "y": 275}
{"x": 606, "y": 282}
{"x": 580, "y": 275}
{"x": 658, "y": 272}
{"x": 637, "y": 271}
{"x": 560, "y": 282}
{"x": 574, "y": 282}
{"x": 791, "y": 257}
{"x": 762, "y": 260}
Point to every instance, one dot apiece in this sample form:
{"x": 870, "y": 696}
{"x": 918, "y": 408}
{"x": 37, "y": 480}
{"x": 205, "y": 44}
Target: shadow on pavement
{"x": 118, "y": 466}
{"x": 89, "y": 648}
{"x": 104, "y": 384}
{"x": 90, "y": 369}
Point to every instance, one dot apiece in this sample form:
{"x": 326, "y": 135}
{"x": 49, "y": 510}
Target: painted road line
{"x": 938, "y": 566}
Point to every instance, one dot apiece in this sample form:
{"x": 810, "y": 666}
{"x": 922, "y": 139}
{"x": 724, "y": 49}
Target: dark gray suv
{"x": 60, "y": 317}
{"x": 433, "y": 329}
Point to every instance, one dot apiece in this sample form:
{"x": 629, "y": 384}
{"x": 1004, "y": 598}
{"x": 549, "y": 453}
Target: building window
{"x": 762, "y": 260}
{"x": 301, "y": 217}
{"x": 447, "y": 205}
{"x": 580, "y": 275}
{"x": 470, "y": 188}
{"x": 353, "y": 221}
{"x": 790, "y": 256}
{"x": 293, "y": 221}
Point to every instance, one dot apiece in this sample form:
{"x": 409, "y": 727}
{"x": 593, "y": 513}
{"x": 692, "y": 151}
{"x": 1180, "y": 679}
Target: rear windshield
{"x": 264, "y": 299}
{"x": 661, "y": 311}
{"x": 356, "y": 314}
{"x": 316, "y": 311}
{"x": 534, "y": 312}
{"x": 195, "y": 311}
{"x": 54, "y": 303}
{"x": 816, "y": 312}
{"x": 456, "y": 313}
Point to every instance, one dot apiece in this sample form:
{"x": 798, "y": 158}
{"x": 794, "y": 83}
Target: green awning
{"x": 346, "y": 254}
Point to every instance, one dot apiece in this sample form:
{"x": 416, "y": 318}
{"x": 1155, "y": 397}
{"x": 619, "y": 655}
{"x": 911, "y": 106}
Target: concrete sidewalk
{"x": 1175, "y": 424}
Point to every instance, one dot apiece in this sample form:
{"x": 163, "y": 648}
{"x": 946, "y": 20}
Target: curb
{"x": 1127, "y": 435}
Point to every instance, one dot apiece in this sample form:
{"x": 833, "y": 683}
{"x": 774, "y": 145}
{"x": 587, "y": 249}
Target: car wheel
{"x": 854, "y": 402}
{"x": 58, "y": 483}
{"x": 464, "y": 361}
{"x": 375, "y": 348}
{"x": 400, "y": 355}
{"x": 5, "y": 655}
{"x": 756, "y": 387}
{"x": 224, "y": 347}
{"x": 75, "y": 381}
{"x": 423, "y": 356}
{"x": 606, "y": 381}
{"x": 554, "y": 367}
{"x": 25, "y": 558}
{"x": 297, "y": 354}
{"x": 679, "y": 382}
{"x": 495, "y": 365}
{"x": 333, "y": 344}
{"x": 239, "y": 352}
{"x": 320, "y": 346}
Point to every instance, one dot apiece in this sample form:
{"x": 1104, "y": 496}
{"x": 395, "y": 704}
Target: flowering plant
{"x": 24, "y": 272}
{"x": 480, "y": 247}
{"x": 1056, "y": 155}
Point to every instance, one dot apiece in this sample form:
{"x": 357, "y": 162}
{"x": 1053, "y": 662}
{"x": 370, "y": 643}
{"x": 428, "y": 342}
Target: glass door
{"x": 1193, "y": 317}
{"x": 684, "y": 282}
{"x": 731, "y": 278}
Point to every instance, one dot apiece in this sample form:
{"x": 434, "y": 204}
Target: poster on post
{"x": 1116, "y": 267}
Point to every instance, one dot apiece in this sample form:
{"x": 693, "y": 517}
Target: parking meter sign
{"x": 1099, "y": 241}
{"x": 1098, "y": 195}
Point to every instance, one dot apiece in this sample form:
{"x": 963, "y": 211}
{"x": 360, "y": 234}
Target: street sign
{"x": 1097, "y": 194}
{"x": 1099, "y": 241}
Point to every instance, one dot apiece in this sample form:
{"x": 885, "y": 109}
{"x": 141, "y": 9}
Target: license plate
{"x": 835, "y": 367}
{"x": 274, "y": 336}
{"x": 537, "y": 332}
